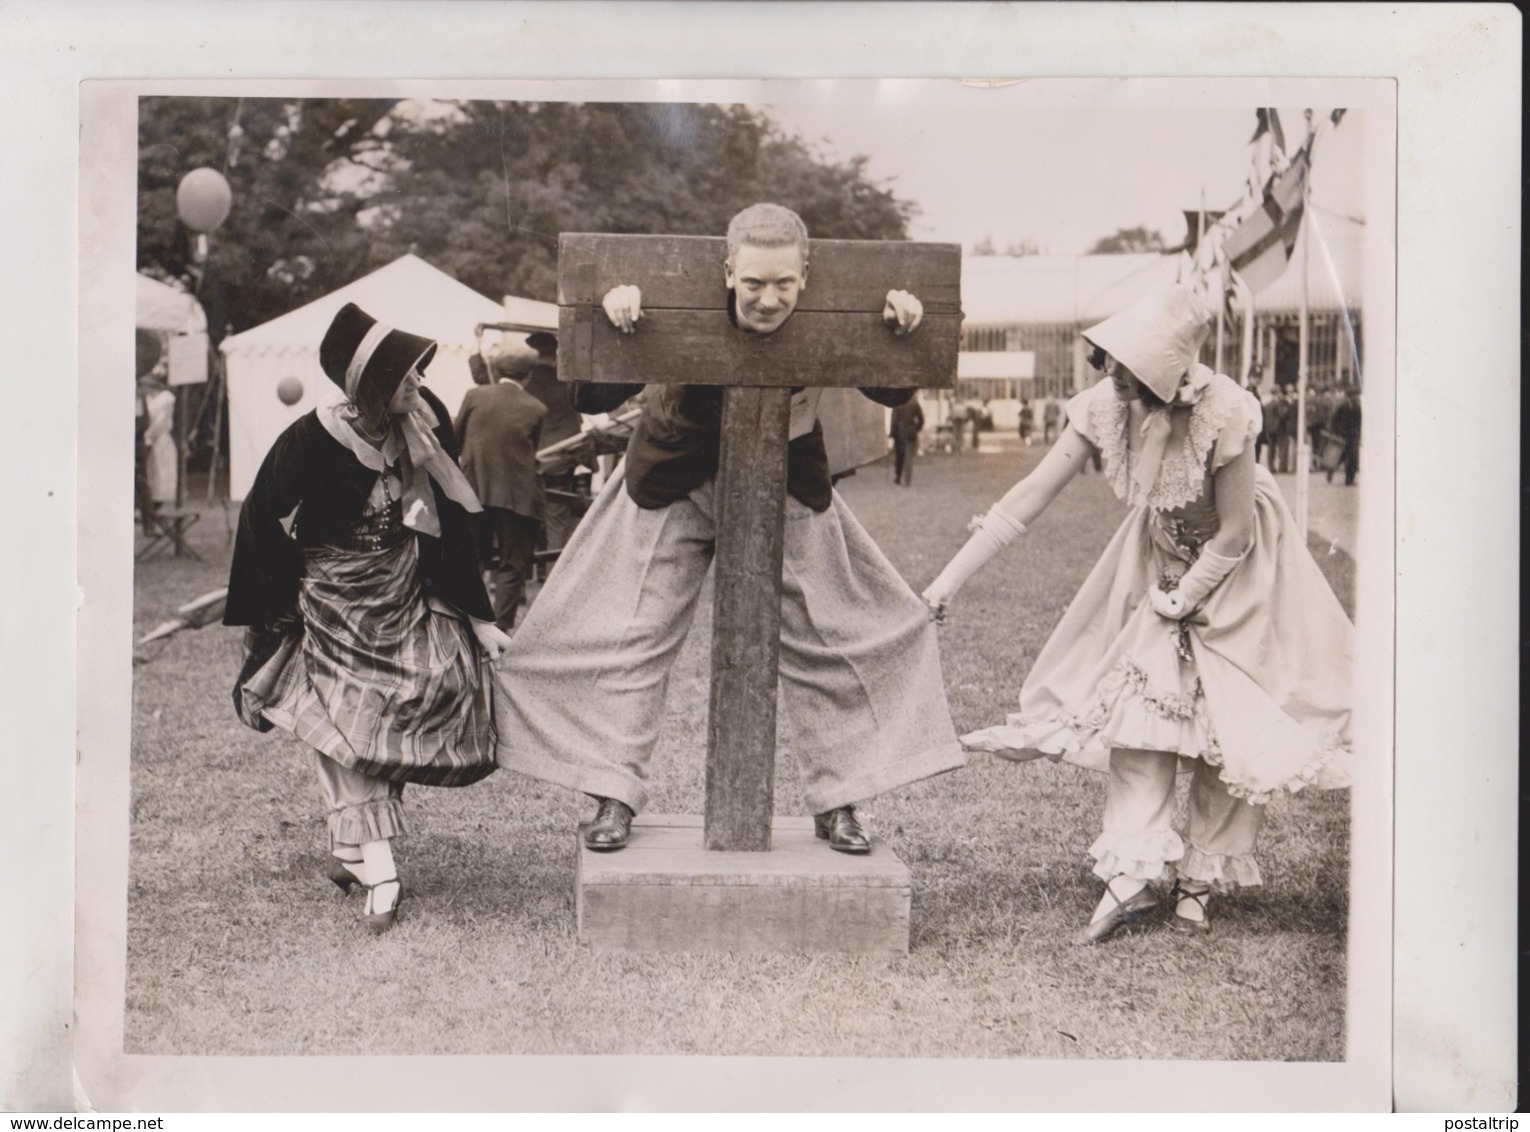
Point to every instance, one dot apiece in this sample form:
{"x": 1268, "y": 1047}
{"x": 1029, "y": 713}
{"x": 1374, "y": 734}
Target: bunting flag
{"x": 1259, "y": 248}
{"x": 1256, "y": 236}
{"x": 1267, "y": 154}
{"x": 1193, "y": 228}
{"x": 1268, "y": 122}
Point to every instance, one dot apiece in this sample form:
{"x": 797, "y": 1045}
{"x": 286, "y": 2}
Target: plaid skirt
{"x": 380, "y": 680}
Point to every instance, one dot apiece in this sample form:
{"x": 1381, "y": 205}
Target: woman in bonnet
{"x": 370, "y": 632}
{"x": 1205, "y": 638}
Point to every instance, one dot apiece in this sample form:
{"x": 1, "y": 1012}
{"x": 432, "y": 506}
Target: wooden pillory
{"x": 835, "y": 337}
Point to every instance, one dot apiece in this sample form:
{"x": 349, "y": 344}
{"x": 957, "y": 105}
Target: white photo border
{"x": 1457, "y": 284}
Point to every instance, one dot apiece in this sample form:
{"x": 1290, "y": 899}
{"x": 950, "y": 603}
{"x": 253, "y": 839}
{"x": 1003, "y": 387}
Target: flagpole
{"x": 1303, "y": 450}
{"x": 1222, "y": 302}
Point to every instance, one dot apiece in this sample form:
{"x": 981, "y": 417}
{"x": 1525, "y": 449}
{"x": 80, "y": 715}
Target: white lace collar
{"x": 1182, "y": 472}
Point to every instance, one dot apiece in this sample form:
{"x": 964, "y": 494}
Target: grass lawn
{"x": 238, "y": 945}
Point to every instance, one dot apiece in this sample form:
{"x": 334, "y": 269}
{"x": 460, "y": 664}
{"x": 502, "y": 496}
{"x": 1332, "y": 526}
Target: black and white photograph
{"x": 504, "y": 683}
{"x": 859, "y": 583}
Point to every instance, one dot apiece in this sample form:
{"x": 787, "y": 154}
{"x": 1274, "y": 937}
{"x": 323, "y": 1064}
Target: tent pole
{"x": 1303, "y": 452}
{"x": 180, "y": 446}
{"x": 220, "y": 393}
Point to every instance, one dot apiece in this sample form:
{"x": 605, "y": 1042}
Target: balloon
{"x": 290, "y": 390}
{"x": 203, "y": 199}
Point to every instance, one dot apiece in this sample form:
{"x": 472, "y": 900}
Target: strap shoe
{"x": 1124, "y": 913}
{"x": 1200, "y": 897}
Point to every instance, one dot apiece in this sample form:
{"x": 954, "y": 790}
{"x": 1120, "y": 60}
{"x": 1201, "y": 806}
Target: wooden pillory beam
{"x": 835, "y": 337}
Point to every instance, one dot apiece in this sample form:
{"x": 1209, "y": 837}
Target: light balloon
{"x": 203, "y": 199}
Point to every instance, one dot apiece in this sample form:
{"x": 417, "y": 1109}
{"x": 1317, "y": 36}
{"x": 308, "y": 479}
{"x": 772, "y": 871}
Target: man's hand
{"x": 624, "y": 306}
{"x": 491, "y": 638}
{"x": 903, "y": 312}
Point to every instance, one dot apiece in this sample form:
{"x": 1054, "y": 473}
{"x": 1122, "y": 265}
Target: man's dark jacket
{"x": 674, "y": 449}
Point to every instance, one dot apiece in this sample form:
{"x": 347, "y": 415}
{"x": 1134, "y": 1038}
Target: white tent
{"x": 167, "y": 309}
{"x": 408, "y": 293}
{"x": 178, "y": 319}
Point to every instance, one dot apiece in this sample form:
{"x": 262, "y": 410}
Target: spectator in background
{"x": 1345, "y": 422}
{"x": 1320, "y": 406}
{"x": 961, "y": 414}
{"x": 1264, "y": 443}
{"x": 1282, "y": 426}
{"x": 1051, "y": 416}
{"x": 160, "y": 456}
{"x": 500, "y": 427}
{"x": 907, "y": 422}
{"x": 562, "y": 421}
{"x": 1027, "y": 421}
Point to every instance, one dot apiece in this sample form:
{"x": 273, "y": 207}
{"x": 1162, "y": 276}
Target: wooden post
{"x": 834, "y": 338}
{"x": 746, "y": 618}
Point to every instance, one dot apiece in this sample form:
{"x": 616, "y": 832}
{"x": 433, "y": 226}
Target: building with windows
{"x": 1034, "y": 307}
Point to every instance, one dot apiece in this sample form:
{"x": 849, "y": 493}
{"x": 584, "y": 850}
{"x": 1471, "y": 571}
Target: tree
{"x": 1124, "y": 241}
{"x": 327, "y": 190}
{"x": 289, "y": 238}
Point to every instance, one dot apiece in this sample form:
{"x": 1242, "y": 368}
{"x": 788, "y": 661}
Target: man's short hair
{"x": 767, "y": 226}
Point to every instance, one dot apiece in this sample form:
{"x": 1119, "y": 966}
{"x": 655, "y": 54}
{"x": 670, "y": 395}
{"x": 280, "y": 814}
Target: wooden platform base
{"x": 665, "y": 892}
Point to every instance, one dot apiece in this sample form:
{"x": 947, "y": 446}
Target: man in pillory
{"x": 861, "y": 688}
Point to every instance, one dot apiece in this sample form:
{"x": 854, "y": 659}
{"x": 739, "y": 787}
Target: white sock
{"x": 380, "y": 868}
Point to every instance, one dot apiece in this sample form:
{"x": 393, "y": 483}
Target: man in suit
{"x": 1050, "y": 416}
{"x": 1346, "y": 423}
{"x": 500, "y": 429}
{"x": 907, "y": 421}
{"x": 1281, "y": 421}
{"x": 563, "y": 421}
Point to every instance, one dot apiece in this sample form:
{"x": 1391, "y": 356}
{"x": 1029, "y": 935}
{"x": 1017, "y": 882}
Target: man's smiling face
{"x": 766, "y": 284}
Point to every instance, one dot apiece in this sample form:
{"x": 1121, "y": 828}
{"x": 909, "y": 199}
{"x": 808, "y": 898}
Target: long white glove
{"x": 991, "y": 533}
{"x": 1194, "y": 587}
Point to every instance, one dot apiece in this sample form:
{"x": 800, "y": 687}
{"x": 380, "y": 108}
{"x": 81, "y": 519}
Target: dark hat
{"x": 368, "y": 359}
{"x": 513, "y": 366}
{"x": 543, "y": 342}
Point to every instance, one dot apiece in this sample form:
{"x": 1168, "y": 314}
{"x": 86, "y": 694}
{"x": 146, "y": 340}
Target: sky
{"x": 1060, "y": 164}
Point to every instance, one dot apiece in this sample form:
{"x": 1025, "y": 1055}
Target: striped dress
{"x": 380, "y": 679}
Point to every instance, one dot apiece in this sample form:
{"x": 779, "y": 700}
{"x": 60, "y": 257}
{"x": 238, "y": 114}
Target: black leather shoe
{"x": 612, "y": 824}
{"x": 842, "y": 829}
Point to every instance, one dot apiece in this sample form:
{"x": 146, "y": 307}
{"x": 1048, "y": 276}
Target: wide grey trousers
{"x": 583, "y": 685}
